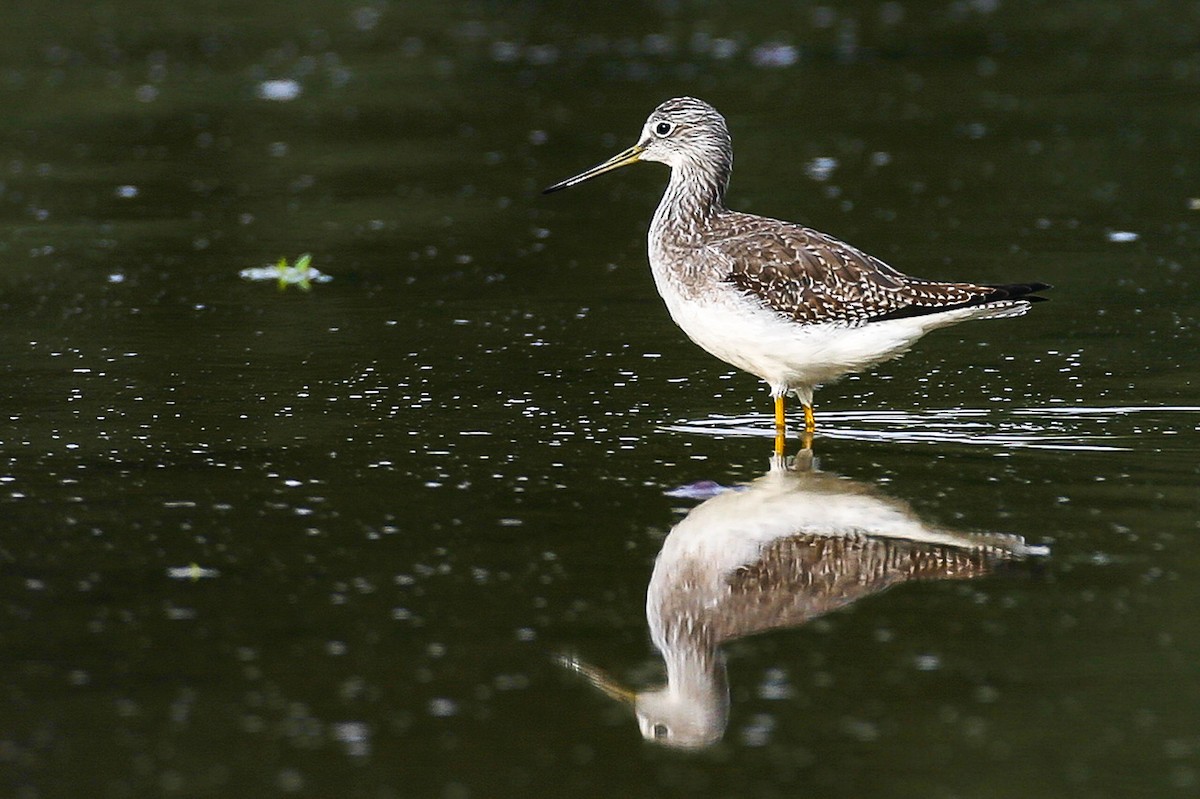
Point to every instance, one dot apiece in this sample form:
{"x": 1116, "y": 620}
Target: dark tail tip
{"x": 1014, "y": 291}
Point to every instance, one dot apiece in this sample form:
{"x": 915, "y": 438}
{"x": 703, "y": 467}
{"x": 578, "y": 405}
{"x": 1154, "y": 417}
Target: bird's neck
{"x": 697, "y": 673}
{"x": 694, "y": 195}
{"x": 678, "y": 602}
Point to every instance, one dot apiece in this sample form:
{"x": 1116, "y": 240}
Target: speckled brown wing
{"x": 810, "y": 277}
{"x": 805, "y": 576}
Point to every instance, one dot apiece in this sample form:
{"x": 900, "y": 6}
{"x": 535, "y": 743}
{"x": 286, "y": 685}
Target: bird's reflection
{"x": 791, "y": 546}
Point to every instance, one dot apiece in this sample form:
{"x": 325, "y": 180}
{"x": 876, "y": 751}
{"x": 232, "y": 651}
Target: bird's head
{"x": 682, "y": 133}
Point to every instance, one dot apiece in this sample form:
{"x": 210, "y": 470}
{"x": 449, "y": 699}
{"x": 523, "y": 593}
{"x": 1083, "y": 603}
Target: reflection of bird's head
{"x": 665, "y": 716}
{"x": 668, "y": 718}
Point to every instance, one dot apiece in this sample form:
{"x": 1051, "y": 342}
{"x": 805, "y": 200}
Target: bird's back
{"x": 811, "y": 277}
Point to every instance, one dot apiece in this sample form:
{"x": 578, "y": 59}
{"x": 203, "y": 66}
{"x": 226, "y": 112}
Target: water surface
{"x": 260, "y": 542}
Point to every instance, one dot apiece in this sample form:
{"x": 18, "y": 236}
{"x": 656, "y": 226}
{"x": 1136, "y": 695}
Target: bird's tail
{"x": 1013, "y": 291}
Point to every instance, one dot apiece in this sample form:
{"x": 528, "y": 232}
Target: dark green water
{"x": 258, "y": 542}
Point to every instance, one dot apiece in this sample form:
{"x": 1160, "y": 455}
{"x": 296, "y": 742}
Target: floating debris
{"x": 1122, "y": 236}
{"x": 192, "y": 571}
{"x": 301, "y": 274}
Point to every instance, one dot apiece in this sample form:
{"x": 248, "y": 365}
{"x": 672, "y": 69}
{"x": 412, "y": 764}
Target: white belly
{"x": 795, "y": 358}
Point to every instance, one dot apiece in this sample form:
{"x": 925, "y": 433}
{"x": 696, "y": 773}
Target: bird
{"x": 791, "y": 546}
{"x": 789, "y": 304}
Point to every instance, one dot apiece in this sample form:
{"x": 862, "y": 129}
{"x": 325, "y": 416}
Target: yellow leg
{"x": 780, "y": 428}
{"x": 810, "y": 422}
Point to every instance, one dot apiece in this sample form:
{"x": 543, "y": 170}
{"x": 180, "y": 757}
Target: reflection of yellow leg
{"x": 810, "y": 422}
{"x": 780, "y": 427}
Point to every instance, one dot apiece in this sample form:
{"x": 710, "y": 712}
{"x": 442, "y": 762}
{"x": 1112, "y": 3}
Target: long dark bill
{"x": 630, "y": 156}
{"x": 607, "y": 685}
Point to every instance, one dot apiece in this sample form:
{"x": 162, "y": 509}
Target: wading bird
{"x": 789, "y": 304}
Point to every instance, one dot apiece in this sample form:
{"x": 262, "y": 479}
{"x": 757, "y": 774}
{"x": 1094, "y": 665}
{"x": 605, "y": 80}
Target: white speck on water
{"x": 927, "y": 662}
{"x": 355, "y": 735}
{"x": 723, "y": 49}
{"x": 757, "y": 731}
{"x": 280, "y": 91}
{"x": 505, "y": 52}
{"x": 126, "y": 192}
{"x": 442, "y": 707}
{"x": 657, "y": 44}
{"x": 775, "y": 685}
{"x": 821, "y": 168}
{"x": 289, "y": 780}
{"x": 774, "y": 55}
{"x": 1122, "y": 236}
{"x": 510, "y": 682}
{"x": 116, "y": 277}
{"x": 860, "y": 729}
{"x": 365, "y": 18}
{"x": 541, "y": 54}
{"x": 986, "y": 694}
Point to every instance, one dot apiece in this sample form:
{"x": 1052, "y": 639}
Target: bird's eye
{"x": 664, "y": 128}
{"x": 660, "y": 730}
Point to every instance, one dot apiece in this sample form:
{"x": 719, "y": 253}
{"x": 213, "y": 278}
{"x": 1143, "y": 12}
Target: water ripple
{"x": 1098, "y": 429}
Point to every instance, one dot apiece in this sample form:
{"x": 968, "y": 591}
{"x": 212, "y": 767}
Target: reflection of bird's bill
{"x": 607, "y": 685}
{"x": 630, "y": 156}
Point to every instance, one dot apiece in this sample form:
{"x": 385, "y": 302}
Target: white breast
{"x": 793, "y": 357}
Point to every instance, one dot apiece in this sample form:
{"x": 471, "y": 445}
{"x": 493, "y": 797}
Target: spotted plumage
{"x": 792, "y": 305}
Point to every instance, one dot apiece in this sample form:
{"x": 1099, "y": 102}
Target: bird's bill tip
{"x": 624, "y": 158}
{"x": 598, "y": 679}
